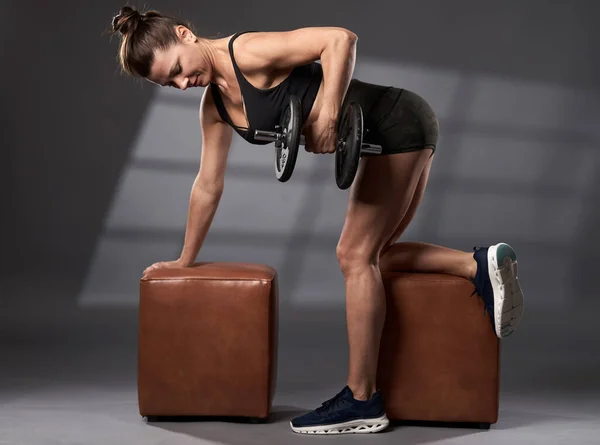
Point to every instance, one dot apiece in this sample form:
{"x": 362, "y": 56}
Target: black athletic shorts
{"x": 395, "y": 118}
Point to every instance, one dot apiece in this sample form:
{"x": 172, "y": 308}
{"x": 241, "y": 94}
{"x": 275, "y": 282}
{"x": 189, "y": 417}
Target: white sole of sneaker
{"x": 359, "y": 426}
{"x": 508, "y": 296}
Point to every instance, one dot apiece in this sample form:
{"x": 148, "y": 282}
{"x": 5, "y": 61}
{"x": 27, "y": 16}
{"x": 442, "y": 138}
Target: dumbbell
{"x": 349, "y": 146}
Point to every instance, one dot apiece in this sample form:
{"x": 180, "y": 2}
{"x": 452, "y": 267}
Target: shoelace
{"x": 487, "y": 308}
{"x": 331, "y": 403}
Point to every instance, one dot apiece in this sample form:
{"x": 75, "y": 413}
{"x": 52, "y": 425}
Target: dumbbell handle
{"x": 371, "y": 149}
{"x": 269, "y": 136}
{"x": 273, "y": 136}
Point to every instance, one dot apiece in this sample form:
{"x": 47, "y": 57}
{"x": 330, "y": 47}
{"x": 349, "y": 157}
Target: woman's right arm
{"x": 209, "y": 183}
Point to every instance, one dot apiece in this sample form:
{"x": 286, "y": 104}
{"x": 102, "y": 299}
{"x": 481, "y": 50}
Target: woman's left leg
{"x": 380, "y": 198}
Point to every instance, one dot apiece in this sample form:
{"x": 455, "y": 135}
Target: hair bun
{"x": 126, "y": 21}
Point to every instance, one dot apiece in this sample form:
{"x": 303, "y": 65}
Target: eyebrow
{"x": 174, "y": 68}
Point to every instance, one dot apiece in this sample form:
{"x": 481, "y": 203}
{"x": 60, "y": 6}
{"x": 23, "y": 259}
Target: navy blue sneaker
{"x": 497, "y": 283}
{"x": 343, "y": 414}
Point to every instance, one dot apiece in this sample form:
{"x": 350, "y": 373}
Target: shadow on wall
{"x": 509, "y": 90}
{"x": 497, "y": 177}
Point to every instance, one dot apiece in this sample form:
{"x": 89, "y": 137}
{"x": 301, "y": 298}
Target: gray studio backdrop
{"x": 97, "y": 168}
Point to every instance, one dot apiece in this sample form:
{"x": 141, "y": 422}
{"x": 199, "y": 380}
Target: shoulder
{"x": 216, "y": 133}
{"x": 286, "y": 49}
{"x": 253, "y": 40}
{"x": 208, "y": 109}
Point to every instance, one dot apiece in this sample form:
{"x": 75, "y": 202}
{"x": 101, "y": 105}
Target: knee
{"x": 385, "y": 250}
{"x": 388, "y": 253}
{"x": 393, "y": 249}
{"x": 354, "y": 259}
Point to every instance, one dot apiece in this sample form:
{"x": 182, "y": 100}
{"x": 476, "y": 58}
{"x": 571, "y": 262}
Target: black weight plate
{"x": 347, "y": 155}
{"x": 287, "y": 152}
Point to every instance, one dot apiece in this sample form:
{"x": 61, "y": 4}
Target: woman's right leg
{"x": 493, "y": 270}
{"x": 424, "y": 257}
{"x": 428, "y": 258}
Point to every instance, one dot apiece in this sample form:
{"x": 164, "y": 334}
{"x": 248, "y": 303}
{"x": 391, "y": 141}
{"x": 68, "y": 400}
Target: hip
{"x": 395, "y": 118}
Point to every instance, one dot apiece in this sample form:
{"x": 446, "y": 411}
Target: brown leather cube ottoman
{"x": 439, "y": 357}
{"x": 207, "y": 342}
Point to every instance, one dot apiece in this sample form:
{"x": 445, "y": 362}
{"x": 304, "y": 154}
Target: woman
{"x": 248, "y": 78}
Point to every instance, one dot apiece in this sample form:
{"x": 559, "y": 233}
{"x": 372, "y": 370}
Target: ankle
{"x": 362, "y": 392}
{"x": 471, "y": 267}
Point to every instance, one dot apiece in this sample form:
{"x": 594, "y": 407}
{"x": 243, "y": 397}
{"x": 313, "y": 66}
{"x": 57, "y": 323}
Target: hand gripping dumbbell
{"x": 349, "y": 146}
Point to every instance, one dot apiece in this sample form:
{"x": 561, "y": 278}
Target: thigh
{"x": 380, "y": 197}
{"x": 414, "y": 205}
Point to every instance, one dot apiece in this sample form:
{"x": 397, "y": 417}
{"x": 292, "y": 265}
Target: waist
{"x": 369, "y": 96}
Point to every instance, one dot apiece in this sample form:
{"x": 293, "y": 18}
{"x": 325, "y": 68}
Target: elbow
{"x": 342, "y": 41}
{"x": 348, "y": 35}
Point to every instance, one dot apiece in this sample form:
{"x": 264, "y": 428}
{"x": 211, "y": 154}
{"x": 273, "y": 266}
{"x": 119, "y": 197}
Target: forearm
{"x": 338, "y": 60}
{"x": 202, "y": 209}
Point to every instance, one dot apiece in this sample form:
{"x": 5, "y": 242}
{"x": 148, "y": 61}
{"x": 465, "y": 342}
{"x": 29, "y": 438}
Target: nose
{"x": 184, "y": 83}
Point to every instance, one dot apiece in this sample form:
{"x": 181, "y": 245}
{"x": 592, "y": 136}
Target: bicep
{"x": 216, "y": 142}
{"x": 287, "y": 49}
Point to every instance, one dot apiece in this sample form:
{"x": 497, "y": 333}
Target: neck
{"x": 216, "y": 53}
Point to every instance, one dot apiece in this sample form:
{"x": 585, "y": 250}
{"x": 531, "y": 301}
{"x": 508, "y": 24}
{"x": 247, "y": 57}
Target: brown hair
{"x": 142, "y": 34}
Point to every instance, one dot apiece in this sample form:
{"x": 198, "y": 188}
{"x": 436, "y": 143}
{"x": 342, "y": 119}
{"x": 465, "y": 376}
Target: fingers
{"x": 161, "y": 265}
{"x": 323, "y": 151}
{"x": 308, "y": 143}
{"x": 321, "y": 148}
{"x": 151, "y": 268}
{"x": 324, "y": 144}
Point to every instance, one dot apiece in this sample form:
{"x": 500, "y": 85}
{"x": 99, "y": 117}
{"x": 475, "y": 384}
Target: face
{"x": 182, "y": 65}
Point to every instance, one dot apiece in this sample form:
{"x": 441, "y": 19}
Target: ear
{"x": 185, "y": 35}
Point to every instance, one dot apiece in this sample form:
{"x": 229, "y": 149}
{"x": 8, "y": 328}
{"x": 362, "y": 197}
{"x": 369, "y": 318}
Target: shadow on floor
{"x": 277, "y": 430}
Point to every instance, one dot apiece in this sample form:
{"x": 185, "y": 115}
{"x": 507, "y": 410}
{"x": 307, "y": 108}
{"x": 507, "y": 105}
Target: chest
{"x": 253, "y": 100}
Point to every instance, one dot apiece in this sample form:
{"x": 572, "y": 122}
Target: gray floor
{"x": 70, "y": 379}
